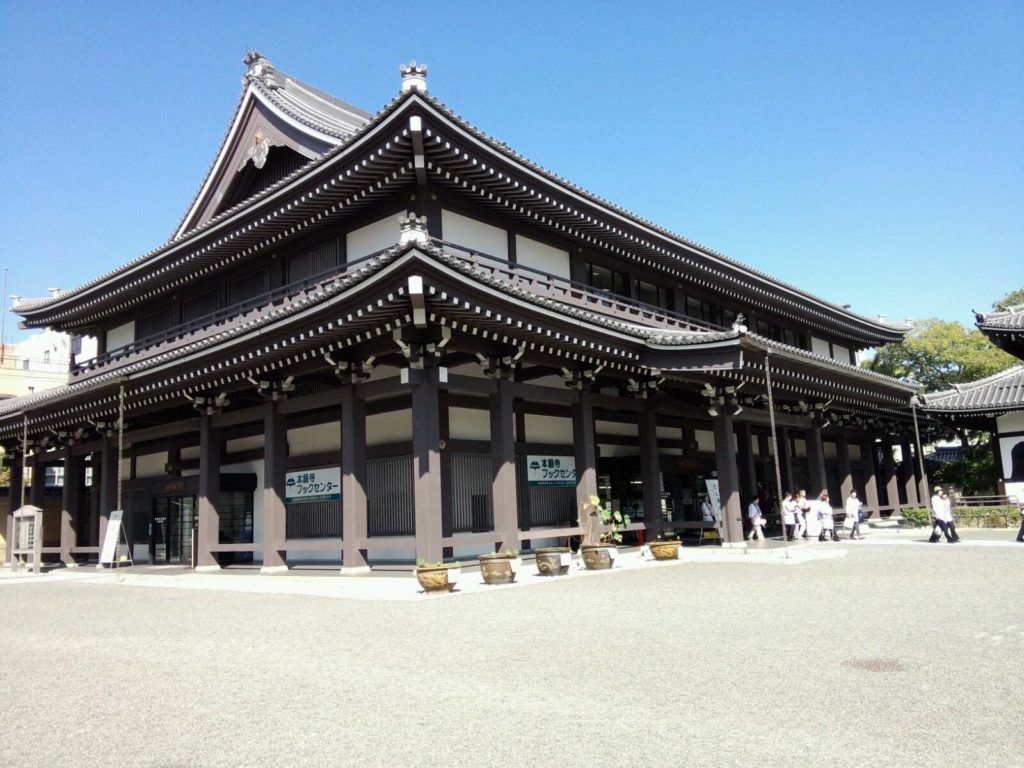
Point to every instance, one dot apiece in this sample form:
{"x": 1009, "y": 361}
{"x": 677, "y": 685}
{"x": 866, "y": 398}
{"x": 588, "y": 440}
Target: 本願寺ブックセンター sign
{"x": 312, "y": 485}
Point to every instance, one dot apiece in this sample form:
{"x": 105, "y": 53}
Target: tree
{"x": 938, "y": 354}
{"x": 1012, "y": 299}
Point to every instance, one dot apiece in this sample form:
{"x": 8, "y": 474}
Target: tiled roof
{"x": 1002, "y": 391}
{"x": 1010, "y": 319}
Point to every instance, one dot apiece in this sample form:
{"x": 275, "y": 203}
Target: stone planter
{"x": 438, "y": 578}
{"x": 665, "y": 550}
{"x": 598, "y": 557}
{"x": 499, "y": 567}
{"x": 553, "y": 561}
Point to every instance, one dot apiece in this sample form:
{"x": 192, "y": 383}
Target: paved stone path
{"x": 885, "y": 652}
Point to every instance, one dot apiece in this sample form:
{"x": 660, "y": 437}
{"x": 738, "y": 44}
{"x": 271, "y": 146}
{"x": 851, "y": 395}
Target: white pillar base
{"x": 734, "y": 545}
{"x": 355, "y": 570}
{"x": 269, "y": 570}
{"x": 206, "y": 568}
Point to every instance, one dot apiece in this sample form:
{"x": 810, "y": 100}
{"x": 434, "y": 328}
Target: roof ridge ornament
{"x": 414, "y": 77}
{"x": 259, "y": 69}
{"x": 413, "y": 230}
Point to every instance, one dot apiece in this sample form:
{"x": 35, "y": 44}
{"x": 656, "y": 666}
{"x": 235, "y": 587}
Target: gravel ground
{"x": 903, "y": 655}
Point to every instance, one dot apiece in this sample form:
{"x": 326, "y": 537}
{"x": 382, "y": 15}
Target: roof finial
{"x": 414, "y": 77}
{"x": 260, "y": 69}
{"x": 413, "y": 229}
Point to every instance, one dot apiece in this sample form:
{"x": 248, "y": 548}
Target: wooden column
{"x": 426, "y": 464}
{"x": 650, "y": 470}
{"x": 503, "y": 468}
{"x": 14, "y": 500}
{"x": 728, "y": 482}
{"x": 37, "y": 490}
{"x": 108, "y": 486}
{"x": 889, "y": 477}
{"x": 816, "y": 461}
{"x": 353, "y": 483}
{"x": 275, "y": 453}
{"x": 843, "y": 457}
{"x": 786, "y": 461}
{"x": 907, "y": 474}
{"x": 748, "y": 477}
{"x": 69, "y": 506}
{"x": 586, "y": 449}
{"x": 208, "y": 527}
{"x": 870, "y": 473}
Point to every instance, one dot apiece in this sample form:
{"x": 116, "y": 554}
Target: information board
{"x": 311, "y": 485}
{"x": 111, "y": 538}
{"x": 551, "y": 471}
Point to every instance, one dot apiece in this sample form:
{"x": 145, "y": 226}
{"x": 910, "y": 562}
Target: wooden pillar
{"x": 37, "y": 490}
{"x": 14, "y": 500}
{"x": 586, "y": 449}
{"x": 907, "y": 473}
{"x": 426, "y": 464}
{"x": 353, "y": 483}
{"x": 108, "y": 486}
{"x": 275, "y": 453}
{"x": 748, "y": 477}
{"x": 816, "y": 461}
{"x": 650, "y": 470}
{"x": 728, "y": 482}
{"x": 503, "y": 468}
{"x": 786, "y": 461}
{"x": 889, "y": 477}
{"x": 870, "y": 474}
{"x": 208, "y": 527}
{"x": 69, "y": 506}
{"x": 843, "y": 459}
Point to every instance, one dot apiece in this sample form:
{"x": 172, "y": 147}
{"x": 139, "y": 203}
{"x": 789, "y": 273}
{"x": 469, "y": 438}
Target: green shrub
{"x": 967, "y": 517}
{"x": 915, "y": 517}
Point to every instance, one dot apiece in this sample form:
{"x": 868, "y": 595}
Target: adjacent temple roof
{"x": 1005, "y": 328}
{"x": 1000, "y": 393}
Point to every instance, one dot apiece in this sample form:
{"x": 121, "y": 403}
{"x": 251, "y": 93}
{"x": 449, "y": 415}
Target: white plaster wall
{"x": 842, "y": 354}
{"x": 474, "y": 235}
{"x": 532, "y": 253}
{"x": 552, "y": 382}
{"x": 391, "y": 427}
{"x": 121, "y": 336}
{"x": 243, "y": 444}
{"x": 191, "y": 452}
{"x": 670, "y": 433}
{"x": 705, "y": 440}
{"x": 854, "y": 452}
{"x": 1010, "y": 422}
{"x": 548, "y": 429}
{"x": 614, "y": 451}
{"x": 469, "y": 424}
{"x": 471, "y": 370}
{"x": 151, "y": 465}
{"x": 800, "y": 449}
{"x": 382, "y": 372}
{"x": 373, "y": 237}
{"x": 819, "y": 346}
{"x": 314, "y": 439}
{"x": 623, "y": 428}
{"x": 830, "y": 450}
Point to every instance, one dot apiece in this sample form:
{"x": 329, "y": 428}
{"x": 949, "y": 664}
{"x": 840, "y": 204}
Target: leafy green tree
{"x": 1012, "y": 299}
{"x": 938, "y": 354}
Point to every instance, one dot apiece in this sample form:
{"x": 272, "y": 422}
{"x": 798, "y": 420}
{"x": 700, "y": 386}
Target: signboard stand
{"x": 28, "y": 537}
{"x": 114, "y": 538}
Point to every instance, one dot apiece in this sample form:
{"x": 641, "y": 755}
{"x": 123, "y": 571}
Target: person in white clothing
{"x": 853, "y": 507}
{"x": 950, "y": 521}
{"x": 756, "y": 519}
{"x": 789, "y": 512}
{"x": 940, "y": 513}
{"x": 828, "y": 523}
{"x": 812, "y": 526}
{"x": 707, "y": 512}
{"x": 1020, "y": 505}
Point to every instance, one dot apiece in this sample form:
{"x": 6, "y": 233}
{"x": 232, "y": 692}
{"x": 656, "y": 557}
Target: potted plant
{"x": 500, "y": 567}
{"x": 553, "y": 561}
{"x": 438, "y": 577}
{"x": 601, "y": 529}
{"x": 665, "y": 549}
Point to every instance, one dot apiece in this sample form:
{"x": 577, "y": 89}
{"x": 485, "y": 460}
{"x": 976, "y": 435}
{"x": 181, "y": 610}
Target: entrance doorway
{"x": 170, "y": 532}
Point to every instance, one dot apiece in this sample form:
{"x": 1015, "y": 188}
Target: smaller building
{"x": 995, "y": 403}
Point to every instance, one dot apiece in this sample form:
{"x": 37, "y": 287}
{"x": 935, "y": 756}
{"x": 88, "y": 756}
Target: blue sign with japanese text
{"x": 311, "y": 485}
{"x": 556, "y": 471}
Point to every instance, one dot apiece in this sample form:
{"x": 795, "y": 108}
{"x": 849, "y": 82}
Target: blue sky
{"x": 870, "y": 153}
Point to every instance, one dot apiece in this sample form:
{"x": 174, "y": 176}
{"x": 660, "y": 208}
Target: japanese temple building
{"x": 995, "y": 403}
{"x": 376, "y": 338}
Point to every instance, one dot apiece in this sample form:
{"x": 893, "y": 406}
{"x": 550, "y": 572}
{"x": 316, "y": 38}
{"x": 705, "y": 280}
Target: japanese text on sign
{"x": 311, "y": 485}
{"x": 556, "y": 471}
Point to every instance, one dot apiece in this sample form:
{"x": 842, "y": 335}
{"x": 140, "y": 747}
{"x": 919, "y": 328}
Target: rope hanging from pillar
{"x": 120, "y": 444}
{"x": 920, "y": 453}
{"x": 24, "y": 463}
{"x": 775, "y": 445}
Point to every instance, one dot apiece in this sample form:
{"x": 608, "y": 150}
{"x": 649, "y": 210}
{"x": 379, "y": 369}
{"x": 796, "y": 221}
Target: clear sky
{"x": 870, "y": 153}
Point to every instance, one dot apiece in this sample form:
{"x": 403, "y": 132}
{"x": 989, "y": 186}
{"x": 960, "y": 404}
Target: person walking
{"x": 802, "y": 505}
{"x": 789, "y": 512}
{"x": 940, "y": 516}
{"x": 828, "y": 523}
{"x": 853, "y": 508}
{"x": 954, "y": 537}
{"x": 756, "y": 519}
{"x": 1020, "y": 506}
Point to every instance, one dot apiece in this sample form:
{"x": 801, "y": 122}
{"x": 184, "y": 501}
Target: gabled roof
{"x": 1005, "y": 328}
{"x": 481, "y": 166}
{"x": 1000, "y": 393}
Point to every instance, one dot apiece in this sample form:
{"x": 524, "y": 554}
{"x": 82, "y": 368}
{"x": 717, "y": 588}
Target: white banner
{"x": 111, "y": 537}
{"x": 714, "y": 497}
{"x": 551, "y": 471}
{"x": 311, "y": 485}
